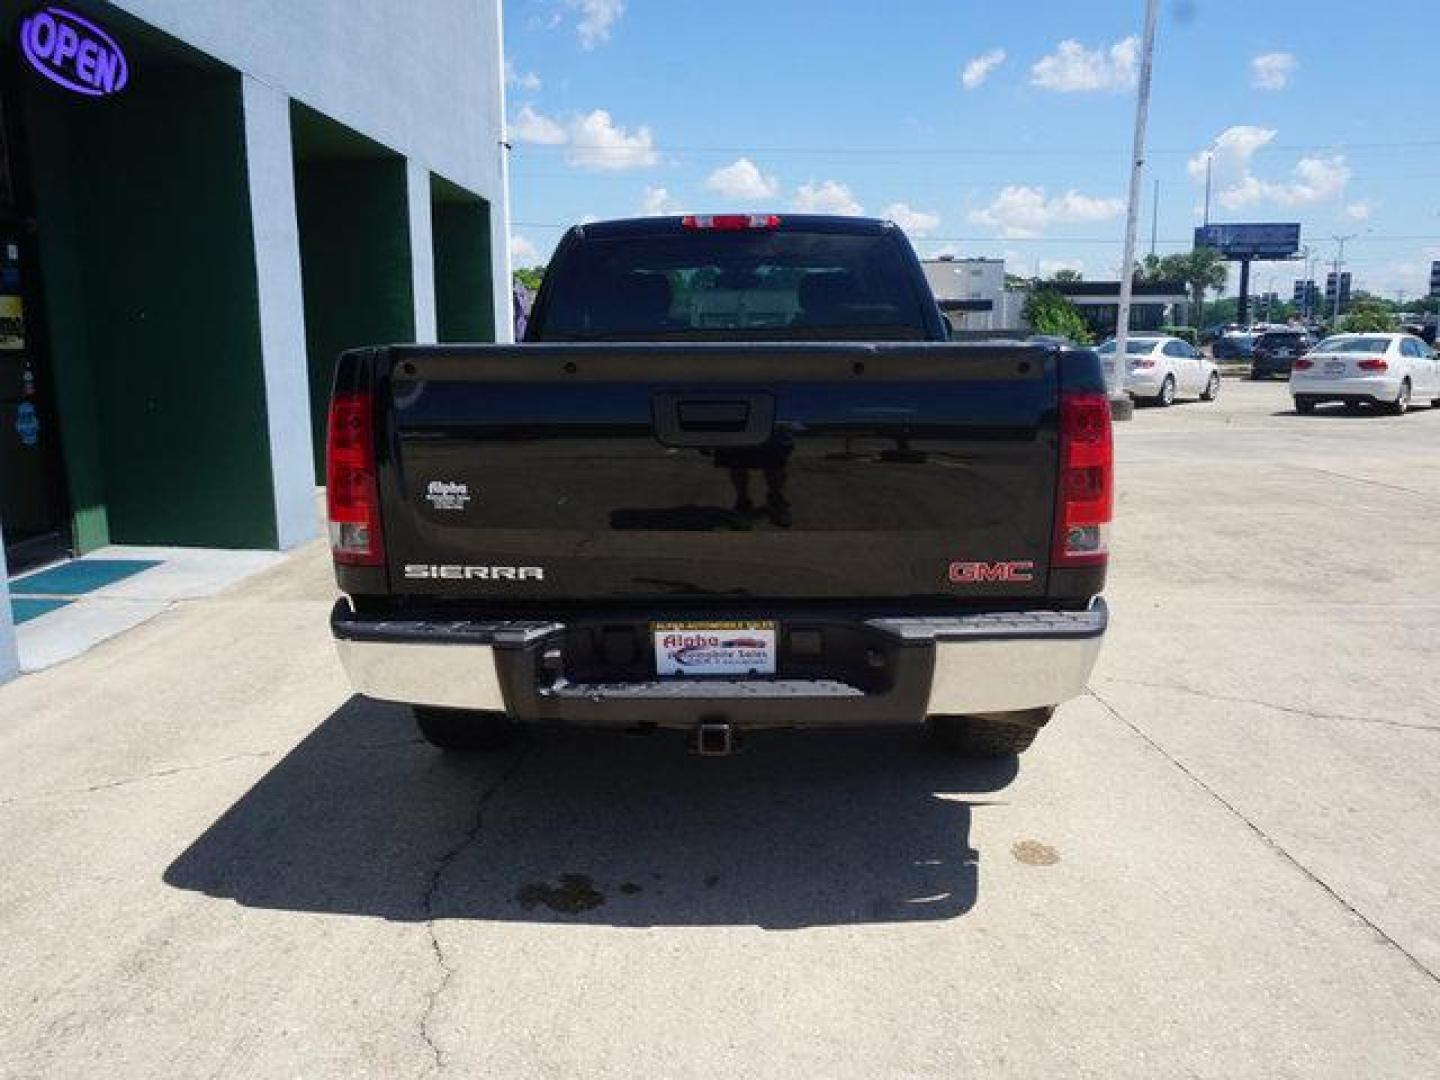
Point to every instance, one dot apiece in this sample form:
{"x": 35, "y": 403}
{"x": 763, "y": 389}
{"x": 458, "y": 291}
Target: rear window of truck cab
{"x": 757, "y": 285}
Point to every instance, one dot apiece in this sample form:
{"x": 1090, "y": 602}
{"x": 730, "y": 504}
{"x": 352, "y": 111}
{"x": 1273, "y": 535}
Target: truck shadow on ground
{"x": 802, "y": 829}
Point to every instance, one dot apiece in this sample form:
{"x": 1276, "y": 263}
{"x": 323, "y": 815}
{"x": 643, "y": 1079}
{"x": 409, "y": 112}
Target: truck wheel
{"x": 989, "y": 735}
{"x": 458, "y": 729}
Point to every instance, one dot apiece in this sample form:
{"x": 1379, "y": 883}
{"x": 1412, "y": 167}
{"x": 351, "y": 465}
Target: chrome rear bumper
{"x": 994, "y": 662}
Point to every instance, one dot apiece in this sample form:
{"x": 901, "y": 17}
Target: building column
{"x": 422, "y": 250}
{"x": 9, "y": 653}
{"x": 282, "y": 310}
{"x": 500, "y": 263}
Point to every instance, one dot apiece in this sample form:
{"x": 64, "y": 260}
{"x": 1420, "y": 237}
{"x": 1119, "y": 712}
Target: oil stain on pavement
{"x": 1034, "y": 853}
{"x": 575, "y": 893}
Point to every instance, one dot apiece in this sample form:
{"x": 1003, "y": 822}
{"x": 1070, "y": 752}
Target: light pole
{"x": 1114, "y": 376}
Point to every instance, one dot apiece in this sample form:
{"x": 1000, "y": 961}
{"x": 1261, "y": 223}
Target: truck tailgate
{"x": 636, "y": 472}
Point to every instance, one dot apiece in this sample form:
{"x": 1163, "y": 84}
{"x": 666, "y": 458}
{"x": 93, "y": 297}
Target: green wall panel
{"x": 47, "y": 122}
{"x": 150, "y": 284}
{"x": 464, "y": 300}
{"x": 354, "y": 261}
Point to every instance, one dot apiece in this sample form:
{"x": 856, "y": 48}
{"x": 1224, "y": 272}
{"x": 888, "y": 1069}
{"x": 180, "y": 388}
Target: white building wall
{"x": 422, "y": 251}
{"x": 268, "y": 160}
{"x": 9, "y": 654}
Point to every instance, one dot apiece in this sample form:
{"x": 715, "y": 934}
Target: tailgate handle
{"x": 713, "y": 415}
{"x": 721, "y": 418}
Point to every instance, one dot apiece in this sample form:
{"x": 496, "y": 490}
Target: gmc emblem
{"x": 978, "y": 573}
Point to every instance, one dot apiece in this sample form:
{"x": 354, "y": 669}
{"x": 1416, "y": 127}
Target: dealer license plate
{"x": 715, "y": 648}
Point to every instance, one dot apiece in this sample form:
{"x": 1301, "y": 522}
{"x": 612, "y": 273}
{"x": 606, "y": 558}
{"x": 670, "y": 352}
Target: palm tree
{"x": 1200, "y": 270}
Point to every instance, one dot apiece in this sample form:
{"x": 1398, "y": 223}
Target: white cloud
{"x": 1021, "y": 211}
{"x": 656, "y": 202}
{"x": 979, "y": 69}
{"x": 529, "y": 81}
{"x": 594, "y": 140}
{"x": 1359, "y": 211}
{"x": 596, "y": 143}
{"x": 596, "y": 19}
{"x": 826, "y": 197}
{"x": 530, "y": 126}
{"x": 1072, "y": 67}
{"x": 1272, "y": 70}
{"x": 523, "y": 252}
{"x": 1313, "y": 179}
{"x": 915, "y": 223}
{"x": 742, "y": 179}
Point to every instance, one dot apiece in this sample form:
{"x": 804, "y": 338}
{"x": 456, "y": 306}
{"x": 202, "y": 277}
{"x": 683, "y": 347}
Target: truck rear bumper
{"x": 954, "y": 665}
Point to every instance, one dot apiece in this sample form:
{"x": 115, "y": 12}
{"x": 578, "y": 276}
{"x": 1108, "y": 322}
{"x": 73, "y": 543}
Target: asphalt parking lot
{"x": 1223, "y": 862}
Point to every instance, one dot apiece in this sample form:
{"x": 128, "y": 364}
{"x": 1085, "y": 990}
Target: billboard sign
{"x": 1251, "y": 240}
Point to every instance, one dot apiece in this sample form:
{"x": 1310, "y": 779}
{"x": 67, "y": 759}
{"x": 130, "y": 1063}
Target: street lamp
{"x": 1339, "y": 262}
{"x": 1119, "y": 403}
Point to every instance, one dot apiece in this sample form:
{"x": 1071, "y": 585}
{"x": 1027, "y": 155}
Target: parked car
{"x": 1213, "y": 333}
{"x": 1389, "y": 370}
{"x": 1276, "y": 350}
{"x": 1234, "y": 345}
{"x": 715, "y": 490}
{"x": 1160, "y": 369}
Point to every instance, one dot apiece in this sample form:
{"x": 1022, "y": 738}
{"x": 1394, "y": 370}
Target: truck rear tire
{"x": 460, "y": 730}
{"x": 989, "y": 735}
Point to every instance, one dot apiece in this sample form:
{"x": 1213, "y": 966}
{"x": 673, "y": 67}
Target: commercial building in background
{"x": 1153, "y": 304}
{"x": 971, "y": 292}
{"x": 201, "y": 204}
{"x": 1330, "y": 292}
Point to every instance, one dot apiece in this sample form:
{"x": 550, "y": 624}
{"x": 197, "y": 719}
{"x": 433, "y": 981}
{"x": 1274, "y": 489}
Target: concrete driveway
{"x": 1225, "y": 862}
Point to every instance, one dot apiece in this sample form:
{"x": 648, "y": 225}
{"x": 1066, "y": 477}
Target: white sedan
{"x": 1159, "y": 369}
{"x": 1389, "y": 370}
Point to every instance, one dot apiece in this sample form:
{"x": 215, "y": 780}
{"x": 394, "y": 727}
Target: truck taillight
{"x": 352, "y": 497}
{"x": 731, "y": 222}
{"x": 1086, "y": 490}
{"x": 1374, "y": 363}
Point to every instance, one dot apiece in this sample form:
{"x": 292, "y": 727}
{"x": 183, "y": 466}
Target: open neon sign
{"x": 73, "y": 52}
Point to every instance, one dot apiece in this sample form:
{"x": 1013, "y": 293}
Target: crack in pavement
{"x": 432, "y": 891}
{"x": 1290, "y": 709}
{"x": 177, "y": 770}
{"x": 126, "y": 781}
{"x": 1266, "y": 838}
{"x": 1425, "y": 495}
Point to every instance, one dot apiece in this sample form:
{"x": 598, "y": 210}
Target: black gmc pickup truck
{"x": 736, "y": 477}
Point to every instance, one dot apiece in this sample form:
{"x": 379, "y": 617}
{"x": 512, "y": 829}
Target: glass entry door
{"x": 33, "y": 508}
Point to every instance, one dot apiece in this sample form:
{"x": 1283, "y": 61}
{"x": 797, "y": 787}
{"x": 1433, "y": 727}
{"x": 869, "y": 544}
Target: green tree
{"x": 1366, "y": 316}
{"x": 1200, "y": 270}
{"x": 1065, "y": 274}
{"x": 530, "y": 276}
{"x": 1049, "y": 312}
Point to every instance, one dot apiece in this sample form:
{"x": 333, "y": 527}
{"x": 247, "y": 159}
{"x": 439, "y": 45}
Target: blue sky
{"x": 986, "y": 128}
